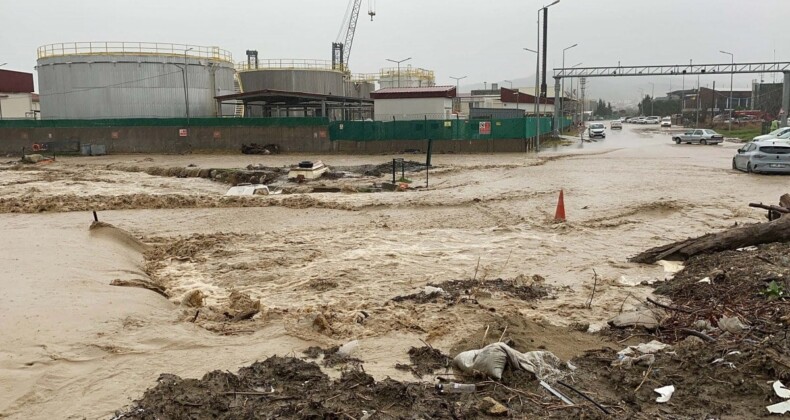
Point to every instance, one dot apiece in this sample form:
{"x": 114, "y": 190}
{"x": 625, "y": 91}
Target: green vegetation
{"x": 746, "y": 134}
{"x": 603, "y": 109}
{"x": 649, "y": 107}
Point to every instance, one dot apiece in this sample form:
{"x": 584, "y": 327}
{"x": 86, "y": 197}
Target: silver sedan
{"x": 700, "y": 136}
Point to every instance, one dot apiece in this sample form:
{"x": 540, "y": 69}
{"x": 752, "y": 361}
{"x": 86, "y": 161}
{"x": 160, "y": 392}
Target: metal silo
{"x": 293, "y": 75}
{"x": 89, "y": 80}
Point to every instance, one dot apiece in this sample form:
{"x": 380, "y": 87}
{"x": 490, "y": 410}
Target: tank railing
{"x": 411, "y": 72}
{"x": 134, "y": 48}
{"x": 287, "y": 63}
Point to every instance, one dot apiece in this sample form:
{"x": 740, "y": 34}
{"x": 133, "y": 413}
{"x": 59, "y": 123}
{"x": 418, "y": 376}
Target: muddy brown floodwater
{"x": 328, "y": 267}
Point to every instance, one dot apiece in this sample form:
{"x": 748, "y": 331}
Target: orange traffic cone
{"x": 559, "y": 216}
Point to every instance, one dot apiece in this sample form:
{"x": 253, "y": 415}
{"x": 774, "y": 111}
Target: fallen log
{"x": 778, "y": 209}
{"x": 143, "y": 284}
{"x": 759, "y": 233}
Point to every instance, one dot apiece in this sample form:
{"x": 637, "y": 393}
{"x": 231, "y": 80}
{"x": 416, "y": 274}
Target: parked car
{"x": 652, "y": 120}
{"x": 596, "y": 130}
{"x": 616, "y": 125}
{"x": 666, "y": 122}
{"x": 640, "y": 120}
{"x": 773, "y": 134}
{"x": 767, "y": 156}
{"x": 701, "y": 136}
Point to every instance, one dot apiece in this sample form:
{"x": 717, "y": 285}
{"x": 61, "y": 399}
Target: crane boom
{"x": 341, "y": 51}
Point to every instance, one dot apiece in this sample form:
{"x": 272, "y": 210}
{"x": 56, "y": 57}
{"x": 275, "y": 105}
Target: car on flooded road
{"x": 766, "y": 156}
{"x": 616, "y": 125}
{"x": 666, "y": 122}
{"x": 778, "y": 133}
{"x": 699, "y": 136}
{"x": 596, "y": 130}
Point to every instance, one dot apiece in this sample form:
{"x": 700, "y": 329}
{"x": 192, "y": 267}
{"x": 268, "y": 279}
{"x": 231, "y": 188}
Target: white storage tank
{"x": 92, "y": 80}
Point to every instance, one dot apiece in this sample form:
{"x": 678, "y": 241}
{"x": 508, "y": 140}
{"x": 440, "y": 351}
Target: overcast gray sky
{"x": 479, "y": 39}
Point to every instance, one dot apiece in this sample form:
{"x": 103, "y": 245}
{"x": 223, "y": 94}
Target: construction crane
{"x": 341, "y": 49}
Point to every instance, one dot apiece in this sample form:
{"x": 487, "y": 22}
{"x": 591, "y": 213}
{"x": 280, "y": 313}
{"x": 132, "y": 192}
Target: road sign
{"x": 485, "y": 127}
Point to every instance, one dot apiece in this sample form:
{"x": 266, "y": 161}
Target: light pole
{"x": 577, "y": 98}
{"x": 398, "y": 63}
{"x": 545, "y": 10}
{"x": 562, "y": 96}
{"x": 732, "y": 73}
{"x": 458, "y": 79}
{"x": 652, "y": 97}
{"x": 537, "y": 73}
{"x": 186, "y": 83}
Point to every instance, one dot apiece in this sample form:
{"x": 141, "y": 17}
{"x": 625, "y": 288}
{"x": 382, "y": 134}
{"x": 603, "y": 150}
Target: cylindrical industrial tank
{"x": 90, "y": 80}
{"x": 289, "y": 75}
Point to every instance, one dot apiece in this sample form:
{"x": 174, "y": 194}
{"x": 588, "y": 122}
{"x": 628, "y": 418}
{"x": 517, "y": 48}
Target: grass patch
{"x": 746, "y": 134}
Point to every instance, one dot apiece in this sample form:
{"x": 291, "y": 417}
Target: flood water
{"x": 74, "y": 347}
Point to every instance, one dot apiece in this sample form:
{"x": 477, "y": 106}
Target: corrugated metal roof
{"x": 432, "y": 89}
{"x": 415, "y": 92}
{"x": 15, "y": 81}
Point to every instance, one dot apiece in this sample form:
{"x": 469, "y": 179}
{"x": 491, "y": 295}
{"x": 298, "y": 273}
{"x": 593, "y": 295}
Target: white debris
{"x": 747, "y": 248}
{"x": 429, "y": 290}
{"x": 348, "y": 349}
{"x": 781, "y": 390}
{"x": 665, "y": 393}
{"x": 671, "y": 268}
{"x": 705, "y": 280}
{"x": 780, "y": 408}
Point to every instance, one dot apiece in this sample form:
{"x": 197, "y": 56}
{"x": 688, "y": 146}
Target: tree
{"x": 602, "y": 110}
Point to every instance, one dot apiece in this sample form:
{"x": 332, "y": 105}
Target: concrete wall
{"x": 412, "y": 109}
{"x": 313, "y": 139}
{"x": 168, "y": 139}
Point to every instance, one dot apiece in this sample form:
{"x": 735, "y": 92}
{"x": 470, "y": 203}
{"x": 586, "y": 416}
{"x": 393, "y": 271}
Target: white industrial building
{"x": 413, "y": 103}
{"x": 17, "y": 100}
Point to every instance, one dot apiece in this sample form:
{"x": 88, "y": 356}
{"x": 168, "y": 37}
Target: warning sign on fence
{"x": 485, "y": 127}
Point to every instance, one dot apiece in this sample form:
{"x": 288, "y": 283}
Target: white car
{"x": 767, "y": 156}
{"x": 773, "y": 134}
{"x": 652, "y": 120}
{"x": 666, "y": 122}
{"x": 616, "y": 125}
{"x": 596, "y": 130}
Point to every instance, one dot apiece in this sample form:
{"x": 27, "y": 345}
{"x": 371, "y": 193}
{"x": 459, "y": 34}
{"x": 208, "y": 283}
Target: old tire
{"x": 734, "y": 166}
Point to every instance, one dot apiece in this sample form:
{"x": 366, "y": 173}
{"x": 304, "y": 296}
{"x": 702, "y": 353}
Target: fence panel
{"x": 453, "y": 129}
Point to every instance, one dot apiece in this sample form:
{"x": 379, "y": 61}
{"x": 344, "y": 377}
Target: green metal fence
{"x": 168, "y": 122}
{"x": 457, "y": 129}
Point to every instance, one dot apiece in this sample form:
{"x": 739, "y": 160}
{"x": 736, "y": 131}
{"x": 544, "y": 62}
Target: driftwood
{"x": 759, "y": 233}
{"x": 778, "y": 209}
{"x": 143, "y": 284}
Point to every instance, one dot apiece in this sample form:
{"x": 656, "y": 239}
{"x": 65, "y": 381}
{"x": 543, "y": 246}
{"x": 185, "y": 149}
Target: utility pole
{"x": 545, "y": 10}
{"x": 562, "y": 100}
{"x": 652, "y": 98}
{"x": 732, "y": 73}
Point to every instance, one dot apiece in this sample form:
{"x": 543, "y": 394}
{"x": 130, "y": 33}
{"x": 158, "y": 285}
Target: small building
{"x": 17, "y": 100}
{"x": 413, "y": 103}
{"x": 514, "y": 101}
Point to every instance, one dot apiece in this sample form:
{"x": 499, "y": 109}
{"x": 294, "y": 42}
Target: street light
{"x": 652, "y": 97}
{"x": 545, "y": 10}
{"x": 732, "y": 73}
{"x": 574, "y": 66}
{"x": 398, "y": 62}
{"x": 458, "y": 79}
{"x": 1, "y": 65}
{"x": 537, "y": 73}
{"x": 562, "y": 96}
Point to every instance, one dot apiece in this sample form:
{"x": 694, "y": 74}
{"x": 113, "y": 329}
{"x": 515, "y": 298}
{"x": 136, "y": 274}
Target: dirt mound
{"x": 463, "y": 290}
{"x": 425, "y": 360}
{"x": 284, "y": 387}
{"x": 72, "y": 202}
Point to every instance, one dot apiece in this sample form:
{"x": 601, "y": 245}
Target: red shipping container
{"x": 15, "y": 82}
